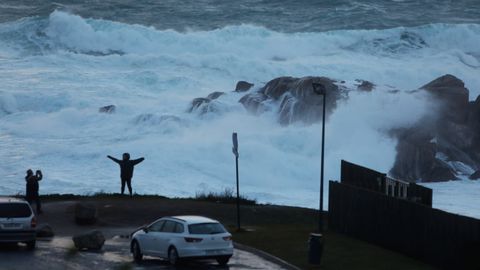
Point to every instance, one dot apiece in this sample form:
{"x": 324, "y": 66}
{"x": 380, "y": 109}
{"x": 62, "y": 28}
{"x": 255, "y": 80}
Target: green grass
{"x": 290, "y": 243}
{"x": 226, "y": 196}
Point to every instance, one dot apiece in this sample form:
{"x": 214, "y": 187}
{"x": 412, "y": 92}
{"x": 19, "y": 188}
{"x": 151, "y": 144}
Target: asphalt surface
{"x": 59, "y": 253}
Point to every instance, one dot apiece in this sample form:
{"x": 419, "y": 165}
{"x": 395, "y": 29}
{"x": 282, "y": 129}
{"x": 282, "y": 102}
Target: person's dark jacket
{"x": 32, "y": 184}
{"x": 126, "y": 166}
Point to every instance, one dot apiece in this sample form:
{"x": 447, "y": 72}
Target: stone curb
{"x": 266, "y": 256}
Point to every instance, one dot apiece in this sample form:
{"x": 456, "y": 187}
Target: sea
{"x": 62, "y": 60}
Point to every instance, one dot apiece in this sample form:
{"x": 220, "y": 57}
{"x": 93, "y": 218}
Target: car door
{"x": 163, "y": 238}
{"x": 148, "y": 239}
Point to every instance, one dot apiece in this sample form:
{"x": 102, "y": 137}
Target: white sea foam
{"x": 57, "y": 72}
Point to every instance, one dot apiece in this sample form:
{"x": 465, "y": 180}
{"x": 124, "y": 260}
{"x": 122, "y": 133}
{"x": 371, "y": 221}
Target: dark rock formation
{"x": 85, "y": 213}
{"x": 107, "y": 109}
{"x": 253, "y": 102}
{"x": 205, "y": 105}
{"x": 44, "y": 230}
{"x": 450, "y": 91}
{"x": 214, "y": 95}
{"x": 295, "y": 98}
{"x": 243, "y": 86}
{"x": 149, "y": 119}
{"x": 475, "y": 175}
{"x": 93, "y": 240}
{"x": 365, "y": 85}
{"x": 429, "y": 150}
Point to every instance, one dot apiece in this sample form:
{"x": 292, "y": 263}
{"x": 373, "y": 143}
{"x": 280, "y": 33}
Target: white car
{"x": 17, "y": 222}
{"x": 183, "y": 237}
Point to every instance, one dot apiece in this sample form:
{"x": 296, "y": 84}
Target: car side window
{"x": 169, "y": 226}
{"x": 157, "y": 226}
{"x": 178, "y": 227}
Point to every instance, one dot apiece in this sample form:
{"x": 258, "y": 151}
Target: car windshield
{"x": 206, "y": 228}
{"x": 14, "y": 210}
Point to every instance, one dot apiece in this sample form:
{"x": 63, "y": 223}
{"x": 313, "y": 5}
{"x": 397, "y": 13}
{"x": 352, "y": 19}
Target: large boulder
{"x": 203, "y": 105}
{"x": 254, "y": 102}
{"x": 451, "y": 91}
{"x": 92, "y": 240}
{"x": 107, "y": 109}
{"x": 365, "y": 85}
{"x": 417, "y": 157}
{"x": 44, "y": 230}
{"x": 85, "y": 213}
{"x": 444, "y": 145}
{"x": 296, "y": 101}
{"x": 243, "y": 86}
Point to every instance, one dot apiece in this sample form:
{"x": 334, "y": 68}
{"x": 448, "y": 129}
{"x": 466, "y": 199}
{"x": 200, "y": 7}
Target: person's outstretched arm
{"x": 136, "y": 161}
{"x": 114, "y": 159}
{"x": 39, "y": 175}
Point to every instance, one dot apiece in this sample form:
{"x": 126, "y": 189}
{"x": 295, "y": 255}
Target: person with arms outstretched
{"x": 126, "y": 170}
{"x": 32, "y": 188}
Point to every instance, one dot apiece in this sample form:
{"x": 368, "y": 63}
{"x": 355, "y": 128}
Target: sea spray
{"x": 58, "y": 70}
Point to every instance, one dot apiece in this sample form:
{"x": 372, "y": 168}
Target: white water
{"x": 54, "y": 79}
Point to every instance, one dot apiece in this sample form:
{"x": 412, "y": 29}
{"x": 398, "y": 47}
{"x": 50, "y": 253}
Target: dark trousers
{"x": 129, "y": 185}
{"x": 36, "y": 199}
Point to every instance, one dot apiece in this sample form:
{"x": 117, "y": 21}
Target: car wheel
{"x": 223, "y": 260}
{"x": 31, "y": 245}
{"x": 173, "y": 256}
{"x": 137, "y": 253}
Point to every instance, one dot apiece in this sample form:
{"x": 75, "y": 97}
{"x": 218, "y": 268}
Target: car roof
{"x": 11, "y": 199}
{"x": 194, "y": 219}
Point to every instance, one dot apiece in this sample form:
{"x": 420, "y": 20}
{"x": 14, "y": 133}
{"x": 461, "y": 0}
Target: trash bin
{"x": 315, "y": 248}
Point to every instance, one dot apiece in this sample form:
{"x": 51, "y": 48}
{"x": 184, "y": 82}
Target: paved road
{"x": 58, "y": 253}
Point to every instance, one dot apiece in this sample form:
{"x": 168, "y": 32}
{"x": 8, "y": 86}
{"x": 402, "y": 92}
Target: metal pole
{"x": 320, "y": 223}
{"x": 238, "y": 195}
{"x": 235, "y": 152}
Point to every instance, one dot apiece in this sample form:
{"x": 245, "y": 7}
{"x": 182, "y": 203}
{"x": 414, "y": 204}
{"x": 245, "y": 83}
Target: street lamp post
{"x": 320, "y": 89}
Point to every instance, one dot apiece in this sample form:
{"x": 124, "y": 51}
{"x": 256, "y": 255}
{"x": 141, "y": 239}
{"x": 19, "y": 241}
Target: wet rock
{"x": 93, "y": 240}
{"x": 475, "y": 175}
{"x": 450, "y": 91}
{"x": 254, "y": 102}
{"x": 44, "y": 230}
{"x": 197, "y": 103}
{"x": 442, "y": 145}
{"x": 107, "y": 109}
{"x": 243, "y": 86}
{"x": 365, "y": 85}
{"x": 85, "y": 213}
{"x": 205, "y": 105}
{"x": 417, "y": 158}
{"x": 215, "y": 95}
{"x": 294, "y": 98}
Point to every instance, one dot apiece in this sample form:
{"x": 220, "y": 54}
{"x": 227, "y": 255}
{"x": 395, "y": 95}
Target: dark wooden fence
{"x": 356, "y": 175}
{"x": 443, "y": 239}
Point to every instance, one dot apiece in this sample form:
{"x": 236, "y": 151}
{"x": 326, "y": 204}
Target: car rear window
{"x": 206, "y": 228}
{"x": 14, "y": 210}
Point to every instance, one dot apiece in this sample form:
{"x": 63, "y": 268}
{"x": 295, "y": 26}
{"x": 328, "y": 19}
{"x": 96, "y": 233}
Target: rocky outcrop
{"x": 296, "y": 100}
{"x": 93, "y": 240}
{"x": 417, "y": 157}
{"x": 44, "y": 230}
{"x": 450, "y": 91}
{"x": 443, "y": 146}
{"x": 243, "y": 86}
{"x": 85, "y": 213}
{"x": 107, "y": 109}
{"x": 205, "y": 105}
{"x": 475, "y": 175}
{"x": 365, "y": 85}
